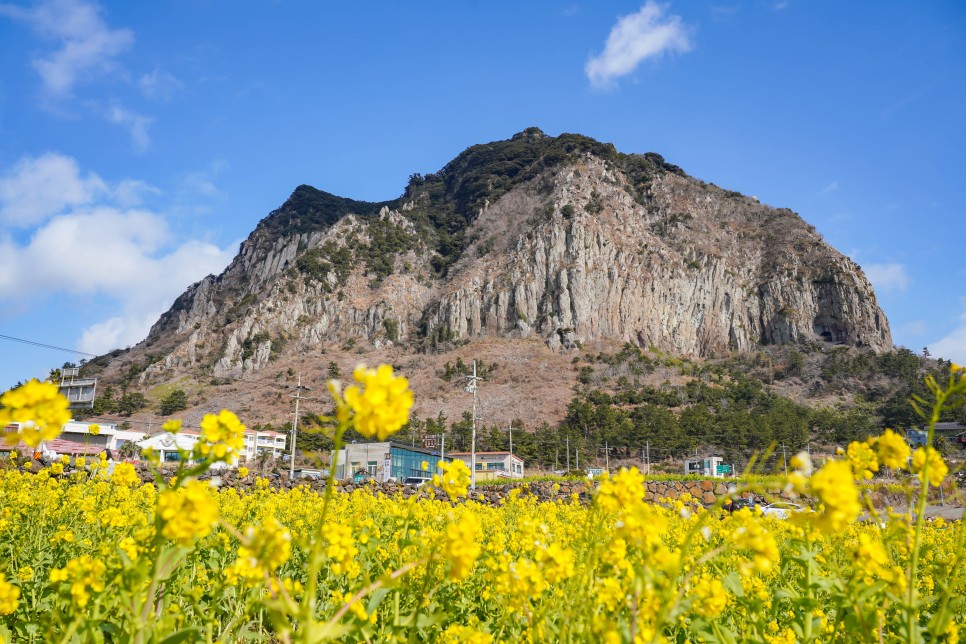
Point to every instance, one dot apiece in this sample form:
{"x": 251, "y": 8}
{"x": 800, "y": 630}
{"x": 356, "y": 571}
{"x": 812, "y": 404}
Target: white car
{"x": 781, "y": 509}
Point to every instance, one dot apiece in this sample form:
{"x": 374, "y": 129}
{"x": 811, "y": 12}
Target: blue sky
{"x": 141, "y": 142}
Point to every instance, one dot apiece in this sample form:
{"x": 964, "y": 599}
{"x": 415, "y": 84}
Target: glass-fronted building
{"x": 386, "y": 460}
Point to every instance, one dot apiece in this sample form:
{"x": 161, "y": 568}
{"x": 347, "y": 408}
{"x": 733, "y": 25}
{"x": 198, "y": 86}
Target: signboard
{"x": 724, "y": 469}
{"x": 431, "y": 441}
{"x": 386, "y": 467}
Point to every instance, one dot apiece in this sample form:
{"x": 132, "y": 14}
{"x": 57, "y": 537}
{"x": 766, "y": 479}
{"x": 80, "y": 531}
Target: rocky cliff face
{"x": 557, "y": 238}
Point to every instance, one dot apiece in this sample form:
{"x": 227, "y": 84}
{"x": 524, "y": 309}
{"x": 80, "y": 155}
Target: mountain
{"x": 528, "y": 249}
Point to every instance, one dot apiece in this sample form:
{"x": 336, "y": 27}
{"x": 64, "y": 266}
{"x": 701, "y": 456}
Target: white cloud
{"x": 136, "y": 124}
{"x": 131, "y": 192}
{"x": 165, "y": 279}
{"x": 953, "y": 346}
{"x": 159, "y": 85}
{"x": 887, "y": 277}
{"x": 834, "y": 185}
{"x": 38, "y": 187}
{"x": 649, "y": 33}
{"x": 94, "y": 246}
{"x": 86, "y": 45}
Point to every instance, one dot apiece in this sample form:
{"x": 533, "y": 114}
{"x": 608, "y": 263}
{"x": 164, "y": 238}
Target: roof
{"x": 950, "y": 427}
{"x": 486, "y": 454}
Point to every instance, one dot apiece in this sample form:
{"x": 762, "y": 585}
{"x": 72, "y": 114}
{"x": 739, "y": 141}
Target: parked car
{"x": 781, "y": 509}
{"x": 418, "y": 481}
{"x": 741, "y": 502}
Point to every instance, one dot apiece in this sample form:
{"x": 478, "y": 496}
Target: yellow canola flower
{"x": 39, "y": 408}
{"x": 892, "y": 449}
{"x": 125, "y": 474}
{"x": 222, "y": 437}
{"x": 710, "y": 597}
{"x": 624, "y": 489}
{"x": 242, "y": 472}
{"x": 863, "y": 459}
{"x": 172, "y": 426}
{"x": 188, "y": 512}
{"x": 341, "y": 549}
{"x": 557, "y": 562}
{"x": 84, "y": 575}
{"x": 454, "y": 480}
{"x": 381, "y": 407}
{"x": 929, "y": 458}
{"x": 264, "y": 549}
{"x": 835, "y": 488}
{"x": 9, "y": 597}
{"x": 460, "y": 545}
{"x": 459, "y": 634}
{"x": 94, "y": 429}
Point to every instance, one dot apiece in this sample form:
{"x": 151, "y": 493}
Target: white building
{"x": 262, "y": 442}
{"x": 76, "y": 439}
{"x": 713, "y": 467}
{"x": 166, "y": 445}
{"x": 493, "y": 465}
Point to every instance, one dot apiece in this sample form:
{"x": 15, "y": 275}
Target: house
{"x": 167, "y": 445}
{"x": 387, "y": 460}
{"x": 76, "y": 439}
{"x": 263, "y": 443}
{"x": 257, "y": 443}
{"x": 493, "y": 465}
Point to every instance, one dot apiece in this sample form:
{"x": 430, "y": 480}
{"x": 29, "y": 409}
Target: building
{"x": 493, "y": 465}
{"x": 387, "y": 460}
{"x": 257, "y": 443}
{"x": 78, "y": 391}
{"x": 76, "y": 440}
{"x": 263, "y": 442}
{"x": 167, "y": 445}
{"x": 712, "y": 467}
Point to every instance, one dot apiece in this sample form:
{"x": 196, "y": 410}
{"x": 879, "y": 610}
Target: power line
{"x": 45, "y": 346}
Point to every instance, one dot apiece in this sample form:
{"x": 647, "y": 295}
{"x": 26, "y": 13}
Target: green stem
{"x": 808, "y": 590}
{"x": 315, "y": 555}
{"x": 921, "y": 516}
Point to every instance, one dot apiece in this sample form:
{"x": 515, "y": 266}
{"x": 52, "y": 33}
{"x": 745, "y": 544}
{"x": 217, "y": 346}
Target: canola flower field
{"x": 93, "y": 558}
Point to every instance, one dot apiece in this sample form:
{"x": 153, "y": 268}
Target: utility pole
{"x": 606, "y": 456}
{"x": 471, "y": 388}
{"x": 511, "y": 438}
{"x": 568, "y": 454}
{"x": 784, "y": 459}
{"x": 442, "y": 448}
{"x": 298, "y": 389}
{"x": 577, "y": 454}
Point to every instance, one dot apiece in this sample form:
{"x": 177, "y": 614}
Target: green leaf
{"x": 185, "y": 635}
{"x": 376, "y": 599}
{"x": 732, "y": 582}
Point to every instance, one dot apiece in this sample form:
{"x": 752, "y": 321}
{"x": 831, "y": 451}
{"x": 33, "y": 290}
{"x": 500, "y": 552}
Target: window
{"x": 495, "y": 466}
{"x": 373, "y": 465}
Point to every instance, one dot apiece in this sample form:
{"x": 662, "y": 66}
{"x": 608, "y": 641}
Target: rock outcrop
{"x": 557, "y": 238}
